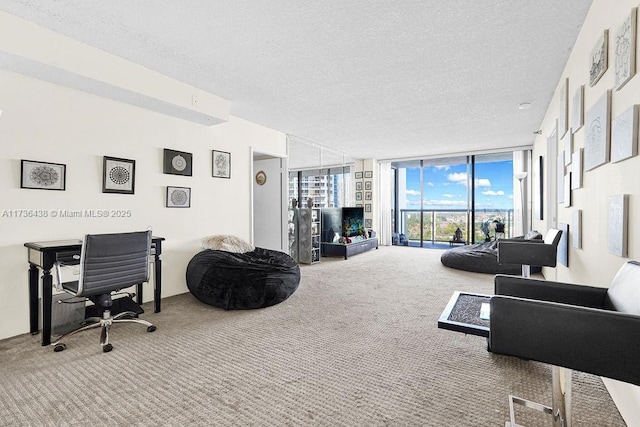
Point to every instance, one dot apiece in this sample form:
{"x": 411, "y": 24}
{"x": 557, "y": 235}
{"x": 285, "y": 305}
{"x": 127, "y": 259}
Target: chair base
{"x": 561, "y": 396}
{"x": 105, "y": 324}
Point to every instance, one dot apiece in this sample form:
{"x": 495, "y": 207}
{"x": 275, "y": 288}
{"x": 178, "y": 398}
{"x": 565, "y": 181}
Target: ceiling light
{"x": 524, "y": 105}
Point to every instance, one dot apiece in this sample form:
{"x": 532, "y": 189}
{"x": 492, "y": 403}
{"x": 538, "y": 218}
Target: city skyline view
{"x": 446, "y": 186}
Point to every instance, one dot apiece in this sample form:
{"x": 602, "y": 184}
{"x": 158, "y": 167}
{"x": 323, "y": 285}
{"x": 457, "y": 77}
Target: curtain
{"x": 384, "y": 195}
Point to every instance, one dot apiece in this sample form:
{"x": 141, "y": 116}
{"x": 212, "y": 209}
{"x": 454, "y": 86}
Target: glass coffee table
{"x": 468, "y": 313}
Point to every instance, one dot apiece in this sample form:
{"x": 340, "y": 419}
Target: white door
{"x": 269, "y": 202}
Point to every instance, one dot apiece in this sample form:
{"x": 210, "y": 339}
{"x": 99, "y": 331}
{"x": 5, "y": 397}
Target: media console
{"x": 348, "y": 249}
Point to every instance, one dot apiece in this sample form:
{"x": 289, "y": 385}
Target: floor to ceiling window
{"x": 436, "y": 198}
{"x": 327, "y": 187}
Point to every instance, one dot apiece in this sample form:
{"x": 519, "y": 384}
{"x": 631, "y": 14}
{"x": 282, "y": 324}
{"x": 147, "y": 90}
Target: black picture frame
{"x": 358, "y": 175}
{"x": 367, "y": 195}
{"x": 177, "y": 162}
{"x": 359, "y": 186}
{"x": 358, "y": 205}
{"x": 368, "y": 174}
{"x": 367, "y": 207}
{"x": 118, "y": 175}
{"x": 178, "y": 197}
{"x": 358, "y": 195}
{"x": 221, "y": 164}
{"x": 367, "y": 223}
{"x": 36, "y": 175}
{"x": 367, "y": 185}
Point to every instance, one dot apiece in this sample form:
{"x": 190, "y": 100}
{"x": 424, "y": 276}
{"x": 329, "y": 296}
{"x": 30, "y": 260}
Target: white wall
{"x": 593, "y": 264}
{"x": 52, "y": 123}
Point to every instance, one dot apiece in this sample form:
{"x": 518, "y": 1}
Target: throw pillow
{"x": 228, "y": 243}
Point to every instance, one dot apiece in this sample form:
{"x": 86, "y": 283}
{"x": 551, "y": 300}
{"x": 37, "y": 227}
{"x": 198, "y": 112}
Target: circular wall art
{"x": 177, "y": 162}
{"x": 261, "y": 178}
{"x": 118, "y": 175}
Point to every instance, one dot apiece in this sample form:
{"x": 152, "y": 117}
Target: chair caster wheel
{"x": 59, "y": 347}
{"x": 107, "y": 348}
{"x": 151, "y": 328}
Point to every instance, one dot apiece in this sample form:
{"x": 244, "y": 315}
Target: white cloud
{"x": 430, "y": 184}
{"x": 442, "y": 167}
{"x": 448, "y": 195}
{"x": 412, "y": 193}
{"x": 457, "y": 177}
{"x": 493, "y": 193}
{"x": 483, "y": 182}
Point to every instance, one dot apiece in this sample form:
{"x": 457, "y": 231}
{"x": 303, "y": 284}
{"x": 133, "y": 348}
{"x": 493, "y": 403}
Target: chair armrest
{"x": 527, "y": 252}
{"x": 566, "y": 293}
{"x": 598, "y": 342}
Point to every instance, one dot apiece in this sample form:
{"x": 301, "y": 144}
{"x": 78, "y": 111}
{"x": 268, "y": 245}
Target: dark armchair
{"x": 108, "y": 263}
{"x": 530, "y": 252}
{"x": 589, "y": 329}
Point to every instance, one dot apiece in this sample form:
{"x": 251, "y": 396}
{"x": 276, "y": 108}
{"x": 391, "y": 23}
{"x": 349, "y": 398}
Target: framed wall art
{"x": 368, "y": 174}
{"x": 599, "y": 58}
{"x": 597, "y": 133}
{"x": 367, "y": 207}
{"x": 367, "y": 223}
{"x": 43, "y": 175}
{"x": 367, "y": 195}
{"x": 358, "y": 175}
{"x": 177, "y": 162}
{"x": 563, "y": 109}
{"x": 576, "y": 227}
{"x": 221, "y": 164}
{"x": 567, "y": 190}
{"x": 577, "y": 109}
{"x": 625, "y": 62}
{"x": 359, "y": 186}
{"x": 576, "y": 169}
{"x": 358, "y": 205}
{"x": 367, "y": 185}
{"x": 359, "y": 195}
{"x": 118, "y": 175}
{"x": 624, "y": 135}
{"x": 618, "y": 219}
{"x": 566, "y": 142}
{"x": 178, "y": 197}
{"x": 540, "y": 187}
{"x": 563, "y": 245}
{"x": 560, "y": 178}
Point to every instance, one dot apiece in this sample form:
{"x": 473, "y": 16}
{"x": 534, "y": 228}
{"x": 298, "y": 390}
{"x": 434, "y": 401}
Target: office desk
{"x": 43, "y": 255}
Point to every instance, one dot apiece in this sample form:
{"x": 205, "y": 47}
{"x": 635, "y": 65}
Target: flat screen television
{"x": 353, "y": 221}
{"x": 331, "y": 224}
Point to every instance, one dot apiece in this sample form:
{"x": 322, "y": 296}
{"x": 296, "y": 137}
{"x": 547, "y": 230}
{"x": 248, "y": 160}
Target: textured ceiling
{"x": 377, "y": 79}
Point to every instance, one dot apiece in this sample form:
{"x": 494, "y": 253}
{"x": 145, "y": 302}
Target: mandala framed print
{"x": 221, "y": 164}
{"x": 178, "y": 197}
{"x": 118, "y": 175}
{"x": 42, "y": 175}
{"x": 177, "y": 162}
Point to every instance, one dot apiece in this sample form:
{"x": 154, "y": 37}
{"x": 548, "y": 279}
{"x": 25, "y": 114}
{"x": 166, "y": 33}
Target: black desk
{"x": 43, "y": 255}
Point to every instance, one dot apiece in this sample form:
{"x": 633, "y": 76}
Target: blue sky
{"x": 446, "y": 186}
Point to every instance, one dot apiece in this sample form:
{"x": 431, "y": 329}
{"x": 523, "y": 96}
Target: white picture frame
{"x": 577, "y": 109}
{"x": 576, "y": 169}
{"x": 624, "y": 135}
{"x": 576, "y": 229}
{"x": 617, "y": 224}
{"x": 625, "y": 50}
{"x": 566, "y": 142}
{"x": 599, "y": 58}
{"x": 563, "y": 110}
{"x": 560, "y": 178}
{"x": 598, "y": 133}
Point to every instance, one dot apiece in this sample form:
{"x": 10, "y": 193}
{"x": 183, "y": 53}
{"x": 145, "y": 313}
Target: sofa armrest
{"x": 566, "y": 293}
{"x": 527, "y": 252}
{"x": 598, "y": 342}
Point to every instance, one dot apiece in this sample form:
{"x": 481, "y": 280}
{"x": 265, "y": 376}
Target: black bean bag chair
{"x": 238, "y": 281}
{"x": 483, "y": 258}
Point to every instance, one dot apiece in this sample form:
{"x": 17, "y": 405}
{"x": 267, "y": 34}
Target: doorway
{"x": 269, "y": 201}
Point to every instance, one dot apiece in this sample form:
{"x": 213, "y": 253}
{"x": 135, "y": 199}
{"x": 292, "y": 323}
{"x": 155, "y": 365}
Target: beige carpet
{"x": 356, "y": 345}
